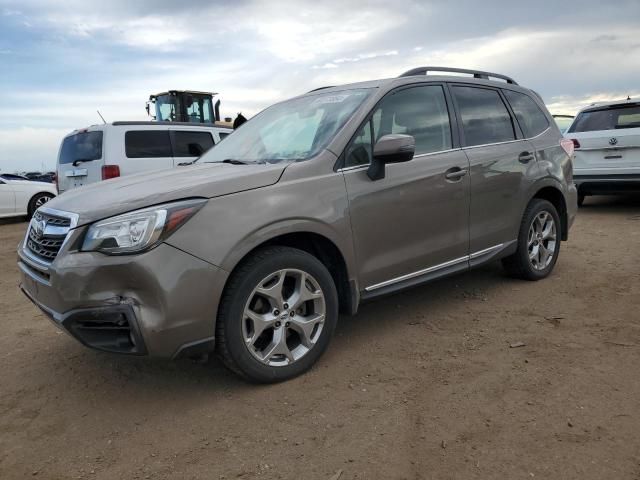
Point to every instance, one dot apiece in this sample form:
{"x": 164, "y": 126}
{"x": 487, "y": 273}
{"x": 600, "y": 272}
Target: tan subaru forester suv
{"x": 314, "y": 205}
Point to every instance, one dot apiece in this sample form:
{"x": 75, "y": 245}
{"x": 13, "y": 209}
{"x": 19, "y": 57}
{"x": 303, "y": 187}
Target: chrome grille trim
{"x": 43, "y": 245}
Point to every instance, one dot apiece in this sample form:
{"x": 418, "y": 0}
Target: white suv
{"x": 606, "y": 137}
{"x": 117, "y": 149}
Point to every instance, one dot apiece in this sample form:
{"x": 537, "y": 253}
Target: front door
{"x": 415, "y": 220}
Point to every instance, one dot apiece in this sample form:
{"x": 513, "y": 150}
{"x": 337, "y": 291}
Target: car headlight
{"x": 139, "y": 230}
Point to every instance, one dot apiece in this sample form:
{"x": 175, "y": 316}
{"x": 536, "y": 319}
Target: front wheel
{"x": 538, "y": 242}
{"x": 277, "y": 315}
{"x": 37, "y": 201}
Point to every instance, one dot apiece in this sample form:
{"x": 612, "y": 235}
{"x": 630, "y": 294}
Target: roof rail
{"x": 475, "y": 73}
{"x": 320, "y": 88}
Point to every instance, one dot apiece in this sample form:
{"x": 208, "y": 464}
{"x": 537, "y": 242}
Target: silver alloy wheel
{"x": 41, "y": 200}
{"x": 541, "y": 241}
{"x": 284, "y": 317}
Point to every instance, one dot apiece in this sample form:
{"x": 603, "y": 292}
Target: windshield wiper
{"x": 78, "y": 161}
{"x": 234, "y": 161}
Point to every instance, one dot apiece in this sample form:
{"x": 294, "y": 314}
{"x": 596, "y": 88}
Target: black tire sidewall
{"x": 31, "y": 209}
{"x": 537, "y": 206}
{"x": 242, "y": 359}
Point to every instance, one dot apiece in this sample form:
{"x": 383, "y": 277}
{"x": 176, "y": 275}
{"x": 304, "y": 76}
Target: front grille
{"x": 44, "y": 242}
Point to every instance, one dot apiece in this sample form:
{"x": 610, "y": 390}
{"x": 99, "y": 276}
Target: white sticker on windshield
{"x": 329, "y": 99}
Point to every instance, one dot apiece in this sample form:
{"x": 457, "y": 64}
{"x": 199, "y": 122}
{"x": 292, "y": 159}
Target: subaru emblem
{"x": 38, "y": 227}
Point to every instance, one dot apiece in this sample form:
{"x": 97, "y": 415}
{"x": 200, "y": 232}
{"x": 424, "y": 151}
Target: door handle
{"x": 454, "y": 174}
{"x": 525, "y": 157}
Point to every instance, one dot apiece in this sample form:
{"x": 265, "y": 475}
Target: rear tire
{"x": 538, "y": 242}
{"x": 580, "y": 199}
{"x": 277, "y": 315}
{"x": 37, "y": 201}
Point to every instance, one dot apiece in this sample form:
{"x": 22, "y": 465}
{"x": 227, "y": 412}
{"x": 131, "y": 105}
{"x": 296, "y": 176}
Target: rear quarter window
{"x": 529, "y": 115}
{"x": 147, "y": 144}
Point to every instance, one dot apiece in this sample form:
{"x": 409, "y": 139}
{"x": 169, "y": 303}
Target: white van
{"x": 117, "y": 149}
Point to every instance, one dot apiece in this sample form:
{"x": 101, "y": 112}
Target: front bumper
{"x": 161, "y": 303}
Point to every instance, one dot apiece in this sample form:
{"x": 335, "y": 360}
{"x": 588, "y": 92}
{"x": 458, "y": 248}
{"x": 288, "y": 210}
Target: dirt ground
{"x": 423, "y": 384}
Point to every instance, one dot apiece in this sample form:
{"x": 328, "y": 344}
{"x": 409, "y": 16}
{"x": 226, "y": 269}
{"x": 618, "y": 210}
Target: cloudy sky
{"x": 60, "y": 61}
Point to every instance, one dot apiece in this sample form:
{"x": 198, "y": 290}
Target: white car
{"x": 606, "y": 137}
{"x": 23, "y": 197}
{"x": 117, "y": 149}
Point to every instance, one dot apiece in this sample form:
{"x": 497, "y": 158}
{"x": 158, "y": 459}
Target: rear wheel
{"x": 580, "y": 199}
{"x": 538, "y": 242}
{"x": 37, "y": 201}
{"x": 277, "y": 315}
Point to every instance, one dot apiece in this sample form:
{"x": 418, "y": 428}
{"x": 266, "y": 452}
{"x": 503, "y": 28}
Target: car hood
{"x": 112, "y": 197}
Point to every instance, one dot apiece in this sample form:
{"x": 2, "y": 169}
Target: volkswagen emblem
{"x": 38, "y": 228}
{"x": 613, "y": 141}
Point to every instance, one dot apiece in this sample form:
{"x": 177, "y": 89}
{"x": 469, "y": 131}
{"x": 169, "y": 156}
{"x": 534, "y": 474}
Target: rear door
{"x": 190, "y": 144}
{"x": 499, "y": 159}
{"x": 609, "y": 140}
{"x": 7, "y": 199}
{"x": 80, "y": 159}
{"x": 145, "y": 150}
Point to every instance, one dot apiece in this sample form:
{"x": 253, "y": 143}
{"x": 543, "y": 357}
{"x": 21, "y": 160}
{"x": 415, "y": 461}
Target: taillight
{"x": 576, "y": 143}
{"x": 110, "y": 171}
{"x": 569, "y": 145}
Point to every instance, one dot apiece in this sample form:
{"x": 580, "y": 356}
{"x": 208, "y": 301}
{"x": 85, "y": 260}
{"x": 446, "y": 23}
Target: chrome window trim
{"x": 540, "y": 134}
{"x": 421, "y": 155}
{"x": 496, "y": 143}
{"x": 435, "y": 268}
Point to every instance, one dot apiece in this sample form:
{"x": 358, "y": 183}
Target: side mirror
{"x": 394, "y": 148}
{"x": 195, "y": 149}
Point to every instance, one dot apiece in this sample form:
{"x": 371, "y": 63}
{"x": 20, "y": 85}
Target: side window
{"x": 191, "y": 144}
{"x": 531, "y": 119}
{"x": 418, "y": 111}
{"x": 147, "y": 144}
{"x": 485, "y": 118}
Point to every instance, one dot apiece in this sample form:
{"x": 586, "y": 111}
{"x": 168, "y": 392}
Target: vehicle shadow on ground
{"x": 611, "y": 204}
{"x": 372, "y": 321}
{"x": 13, "y": 220}
{"x": 448, "y": 296}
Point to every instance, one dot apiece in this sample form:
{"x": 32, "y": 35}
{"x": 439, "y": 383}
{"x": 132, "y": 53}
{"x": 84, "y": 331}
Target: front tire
{"x": 37, "y": 201}
{"x": 538, "y": 242}
{"x": 277, "y": 315}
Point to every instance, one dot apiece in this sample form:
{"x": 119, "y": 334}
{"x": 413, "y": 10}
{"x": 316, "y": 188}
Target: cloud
{"x": 79, "y": 56}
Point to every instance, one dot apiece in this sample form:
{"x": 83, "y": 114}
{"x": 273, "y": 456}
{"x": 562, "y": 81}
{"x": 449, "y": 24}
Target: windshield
{"x": 609, "y": 118}
{"x": 85, "y": 146}
{"x": 296, "y": 129}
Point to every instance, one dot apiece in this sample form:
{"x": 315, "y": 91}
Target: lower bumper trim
{"x": 111, "y": 328}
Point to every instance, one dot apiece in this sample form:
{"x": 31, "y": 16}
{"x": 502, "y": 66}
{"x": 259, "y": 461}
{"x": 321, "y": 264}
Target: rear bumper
{"x": 607, "y": 184}
{"x": 161, "y": 303}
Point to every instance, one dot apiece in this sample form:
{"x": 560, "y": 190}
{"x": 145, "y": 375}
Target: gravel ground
{"x": 423, "y": 384}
